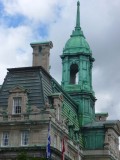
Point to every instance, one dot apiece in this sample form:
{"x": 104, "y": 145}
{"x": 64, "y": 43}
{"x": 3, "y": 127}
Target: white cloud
{"x": 104, "y": 100}
{"x": 100, "y": 23}
{"x": 38, "y": 11}
{"x": 14, "y": 51}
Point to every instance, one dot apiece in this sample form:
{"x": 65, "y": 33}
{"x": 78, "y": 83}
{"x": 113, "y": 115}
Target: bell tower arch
{"x": 74, "y": 71}
{"x": 77, "y": 62}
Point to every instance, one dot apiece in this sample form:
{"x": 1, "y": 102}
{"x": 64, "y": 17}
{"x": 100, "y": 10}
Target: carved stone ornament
{"x": 47, "y": 105}
{"x": 106, "y": 142}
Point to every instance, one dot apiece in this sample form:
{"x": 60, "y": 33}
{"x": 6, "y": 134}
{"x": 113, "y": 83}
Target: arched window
{"x": 74, "y": 74}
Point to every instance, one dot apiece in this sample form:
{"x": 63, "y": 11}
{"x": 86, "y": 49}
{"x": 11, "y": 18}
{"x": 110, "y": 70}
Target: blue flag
{"x": 48, "y": 143}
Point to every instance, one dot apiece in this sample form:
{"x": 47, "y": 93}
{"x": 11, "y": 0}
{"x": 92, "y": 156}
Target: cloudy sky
{"x": 26, "y": 21}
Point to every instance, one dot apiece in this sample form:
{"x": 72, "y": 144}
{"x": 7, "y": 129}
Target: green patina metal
{"x": 77, "y": 64}
{"x": 93, "y": 136}
{"x": 77, "y": 42}
{"x": 94, "y": 133}
{"x": 46, "y": 42}
{"x": 102, "y": 114}
{"x": 94, "y": 139}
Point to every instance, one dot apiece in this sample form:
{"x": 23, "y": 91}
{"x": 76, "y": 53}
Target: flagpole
{"x": 48, "y": 147}
{"x": 50, "y": 136}
{"x": 63, "y": 149}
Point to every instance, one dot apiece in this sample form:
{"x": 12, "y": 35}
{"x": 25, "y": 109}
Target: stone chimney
{"x": 41, "y": 53}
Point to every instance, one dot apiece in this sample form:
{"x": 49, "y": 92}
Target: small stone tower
{"x": 41, "y": 52}
{"x": 77, "y": 64}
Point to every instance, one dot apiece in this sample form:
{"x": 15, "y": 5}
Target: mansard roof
{"x": 36, "y": 80}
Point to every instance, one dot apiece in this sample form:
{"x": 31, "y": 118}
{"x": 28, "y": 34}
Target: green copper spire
{"x": 78, "y": 15}
{"x": 77, "y": 63}
{"x": 77, "y": 42}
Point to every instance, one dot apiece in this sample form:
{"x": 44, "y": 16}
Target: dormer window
{"x": 17, "y": 101}
{"x": 17, "y": 104}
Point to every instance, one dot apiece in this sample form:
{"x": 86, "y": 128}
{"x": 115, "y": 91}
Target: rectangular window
{"x": 24, "y": 138}
{"x": 5, "y": 139}
{"x": 55, "y": 141}
{"x": 60, "y": 144}
{"x": 17, "y": 103}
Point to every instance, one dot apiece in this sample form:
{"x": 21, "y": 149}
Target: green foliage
{"x": 24, "y": 156}
{"x": 38, "y": 159}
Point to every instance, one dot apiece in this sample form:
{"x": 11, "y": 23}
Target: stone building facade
{"x": 31, "y": 100}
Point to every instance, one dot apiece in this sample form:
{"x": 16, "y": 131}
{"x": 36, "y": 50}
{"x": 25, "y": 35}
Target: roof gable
{"x": 18, "y": 89}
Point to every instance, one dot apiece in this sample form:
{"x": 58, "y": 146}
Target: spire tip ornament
{"x": 78, "y": 3}
{"x": 78, "y": 15}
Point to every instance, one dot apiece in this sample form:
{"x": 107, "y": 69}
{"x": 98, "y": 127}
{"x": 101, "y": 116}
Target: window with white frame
{"x": 5, "y": 139}
{"x": 17, "y": 104}
{"x": 55, "y": 141}
{"x": 60, "y": 144}
{"x": 24, "y": 138}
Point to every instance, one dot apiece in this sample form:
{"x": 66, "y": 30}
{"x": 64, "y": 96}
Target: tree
{"x": 22, "y": 156}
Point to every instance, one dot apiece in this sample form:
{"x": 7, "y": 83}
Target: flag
{"x": 48, "y": 152}
{"x": 63, "y": 148}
